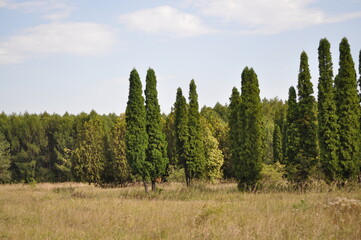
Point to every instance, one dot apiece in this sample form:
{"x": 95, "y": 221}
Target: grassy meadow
{"x": 204, "y": 211}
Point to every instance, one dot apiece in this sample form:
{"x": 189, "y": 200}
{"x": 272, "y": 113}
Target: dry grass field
{"x": 79, "y": 211}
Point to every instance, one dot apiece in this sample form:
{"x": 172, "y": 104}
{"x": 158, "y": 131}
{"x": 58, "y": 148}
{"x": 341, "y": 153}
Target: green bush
{"x": 272, "y": 177}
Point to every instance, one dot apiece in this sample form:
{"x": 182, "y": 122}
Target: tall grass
{"x": 204, "y": 211}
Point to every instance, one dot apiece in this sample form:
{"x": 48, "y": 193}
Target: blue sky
{"x": 63, "y": 55}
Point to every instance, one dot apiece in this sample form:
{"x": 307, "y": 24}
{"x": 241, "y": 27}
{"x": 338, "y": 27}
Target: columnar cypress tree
{"x": 292, "y": 137}
{"x": 156, "y": 153}
{"x": 359, "y": 72}
{"x": 249, "y": 167}
{"x": 307, "y": 123}
{"x": 234, "y": 128}
{"x": 347, "y": 103}
{"x": 196, "y": 161}
{"x": 327, "y": 118}
{"x": 136, "y": 139}
{"x": 277, "y": 144}
{"x": 182, "y": 133}
{"x": 281, "y": 122}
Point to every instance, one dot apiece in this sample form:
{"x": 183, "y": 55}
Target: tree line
{"x": 310, "y": 139}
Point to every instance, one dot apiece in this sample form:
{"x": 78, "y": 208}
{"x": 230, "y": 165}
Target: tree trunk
{"x": 145, "y": 186}
{"x": 188, "y": 181}
{"x": 153, "y": 185}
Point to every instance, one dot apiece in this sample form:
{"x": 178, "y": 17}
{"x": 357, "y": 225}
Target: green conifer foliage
{"x": 136, "y": 139}
{"x": 234, "y": 128}
{"x": 292, "y": 136}
{"x": 280, "y": 121}
{"x": 327, "y": 118}
{"x": 89, "y": 154}
{"x": 248, "y": 168}
{"x": 277, "y": 144}
{"x": 182, "y": 133}
{"x": 156, "y": 152}
{"x": 170, "y": 133}
{"x": 196, "y": 160}
{"x": 307, "y": 157}
{"x": 118, "y": 167}
{"x": 359, "y": 72}
{"x": 347, "y": 103}
{"x": 5, "y": 174}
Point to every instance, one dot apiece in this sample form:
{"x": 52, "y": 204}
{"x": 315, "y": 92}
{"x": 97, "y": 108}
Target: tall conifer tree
{"x": 277, "y": 144}
{"x": 136, "y": 139}
{"x": 292, "y": 137}
{"x": 156, "y": 153}
{"x": 359, "y": 72}
{"x": 182, "y": 133}
{"x": 327, "y": 118}
{"x": 249, "y": 167}
{"x": 307, "y": 123}
{"x": 347, "y": 103}
{"x": 196, "y": 161}
{"x": 234, "y": 128}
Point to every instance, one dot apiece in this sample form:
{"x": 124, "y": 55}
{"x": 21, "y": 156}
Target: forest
{"x": 252, "y": 141}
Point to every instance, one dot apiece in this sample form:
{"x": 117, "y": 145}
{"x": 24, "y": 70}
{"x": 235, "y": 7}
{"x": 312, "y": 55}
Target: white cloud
{"x": 268, "y": 16}
{"x": 166, "y": 20}
{"x": 49, "y": 9}
{"x": 58, "y": 38}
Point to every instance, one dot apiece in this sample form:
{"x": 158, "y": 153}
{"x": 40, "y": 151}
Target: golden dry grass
{"x": 79, "y": 211}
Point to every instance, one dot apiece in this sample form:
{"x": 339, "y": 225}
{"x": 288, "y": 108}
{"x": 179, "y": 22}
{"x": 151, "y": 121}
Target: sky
{"x": 76, "y": 56}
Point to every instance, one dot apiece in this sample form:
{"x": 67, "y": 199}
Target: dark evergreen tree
{"x": 196, "y": 160}
{"x": 170, "y": 134}
{"x": 248, "y": 167}
{"x": 277, "y": 144}
{"x": 136, "y": 139}
{"x": 279, "y": 120}
{"x": 327, "y": 118}
{"x": 359, "y": 72}
{"x": 182, "y": 133}
{"x": 307, "y": 156}
{"x": 292, "y": 137}
{"x": 5, "y": 174}
{"x": 156, "y": 153}
{"x": 347, "y": 103}
{"x": 234, "y": 129}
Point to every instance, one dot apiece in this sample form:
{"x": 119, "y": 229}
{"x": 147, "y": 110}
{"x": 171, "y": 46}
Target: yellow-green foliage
{"x": 80, "y": 211}
{"x": 213, "y": 155}
{"x": 272, "y": 176}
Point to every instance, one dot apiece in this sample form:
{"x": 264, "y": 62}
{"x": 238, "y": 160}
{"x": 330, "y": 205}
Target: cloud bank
{"x": 49, "y": 9}
{"x": 268, "y": 16}
{"x": 166, "y": 20}
{"x": 81, "y": 38}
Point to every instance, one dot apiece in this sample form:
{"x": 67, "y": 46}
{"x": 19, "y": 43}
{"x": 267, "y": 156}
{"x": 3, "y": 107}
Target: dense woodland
{"x": 247, "y": 139}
